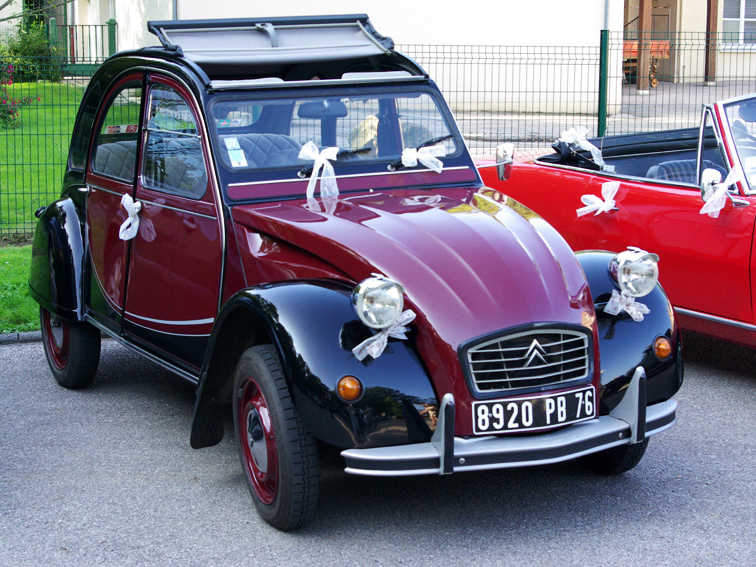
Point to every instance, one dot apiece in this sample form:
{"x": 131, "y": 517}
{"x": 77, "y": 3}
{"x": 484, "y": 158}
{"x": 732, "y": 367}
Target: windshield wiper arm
{"x": 393, "y": 166}
{"x": 434, "y": 141}
{"x": 307, "y": 171}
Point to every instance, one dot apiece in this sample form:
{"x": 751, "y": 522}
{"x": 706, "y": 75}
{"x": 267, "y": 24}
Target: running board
{"x": 185, "y": 374}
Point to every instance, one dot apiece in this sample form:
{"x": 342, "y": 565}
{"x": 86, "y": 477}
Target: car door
{"x": 176, "y": 258}
{"x": 704, "y": 261}
{"x": 111, "y": 170}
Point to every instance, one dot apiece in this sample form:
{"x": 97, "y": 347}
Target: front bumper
{"x": 630, "y": 422}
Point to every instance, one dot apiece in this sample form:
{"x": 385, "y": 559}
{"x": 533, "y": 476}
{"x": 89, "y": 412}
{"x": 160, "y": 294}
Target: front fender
{"x": 314, "y": 326}
{"x": 57, "y": 260}
{"x": 625, "y": 344}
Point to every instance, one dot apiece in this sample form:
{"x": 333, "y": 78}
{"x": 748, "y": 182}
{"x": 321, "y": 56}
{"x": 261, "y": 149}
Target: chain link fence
{"x": 523, "y": 94}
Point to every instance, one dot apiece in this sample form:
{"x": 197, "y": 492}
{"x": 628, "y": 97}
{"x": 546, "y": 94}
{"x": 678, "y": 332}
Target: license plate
{"x": 537, "y": 412}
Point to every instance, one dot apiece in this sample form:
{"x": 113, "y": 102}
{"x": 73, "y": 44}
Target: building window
{"x": 739, "y": 21}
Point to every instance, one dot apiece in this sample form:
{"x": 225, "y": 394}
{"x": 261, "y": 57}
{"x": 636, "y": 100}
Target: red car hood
{"x": 471, "y": 262}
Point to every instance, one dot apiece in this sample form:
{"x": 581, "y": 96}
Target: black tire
{"x": 285, "y": 493}
{"x": 616, "y": 460}
{"x": 72, "y": 350}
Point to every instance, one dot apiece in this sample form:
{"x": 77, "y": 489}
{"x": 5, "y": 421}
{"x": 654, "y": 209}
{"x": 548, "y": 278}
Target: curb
{"x": 15, "y": 338}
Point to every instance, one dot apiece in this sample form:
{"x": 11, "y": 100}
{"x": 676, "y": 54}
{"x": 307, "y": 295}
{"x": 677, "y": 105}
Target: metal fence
{"x": 523, "y": 94}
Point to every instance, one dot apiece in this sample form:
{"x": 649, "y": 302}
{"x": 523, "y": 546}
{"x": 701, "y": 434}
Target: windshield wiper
{"x": 307, "y": 171}
{"x": 395, "y": 165}
{"x": 434, "y": 141}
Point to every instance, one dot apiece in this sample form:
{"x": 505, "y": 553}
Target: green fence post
{"x": 111, "y": 36}
{"x": 52, "y": 32}
{"x": 603, "y": 81}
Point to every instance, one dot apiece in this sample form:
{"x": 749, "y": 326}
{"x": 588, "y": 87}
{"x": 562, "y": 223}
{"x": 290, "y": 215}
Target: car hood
{"x": 471, "y": 261}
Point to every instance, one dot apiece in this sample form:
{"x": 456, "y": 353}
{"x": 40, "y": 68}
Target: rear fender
{"x": 57, "y": 260}
{"x": 625, "y": 344}
{"x": 314, "y": 326}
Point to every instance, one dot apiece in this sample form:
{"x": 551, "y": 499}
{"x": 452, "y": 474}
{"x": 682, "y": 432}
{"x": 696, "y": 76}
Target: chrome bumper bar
{"x": 630, "y": 422}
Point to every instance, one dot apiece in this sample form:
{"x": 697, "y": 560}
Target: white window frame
{"x": 741, "y": 26}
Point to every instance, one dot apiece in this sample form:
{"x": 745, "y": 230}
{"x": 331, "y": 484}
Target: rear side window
{"x": 114, "y": 153}
{"x": 173, "y": 160}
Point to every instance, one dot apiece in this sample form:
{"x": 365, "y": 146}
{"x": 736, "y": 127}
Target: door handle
{"x": 189, "y": 222}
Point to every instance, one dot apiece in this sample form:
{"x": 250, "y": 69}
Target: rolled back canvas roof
{"x": 272, "y": 40}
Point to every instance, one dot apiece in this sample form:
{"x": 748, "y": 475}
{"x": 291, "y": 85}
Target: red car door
{"x": 111, "y": 170}
{"x": 704, "y": 262}
{"x": 176, "y": 258}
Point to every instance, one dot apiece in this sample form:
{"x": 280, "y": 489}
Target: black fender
{"x": 625, "y": 344}
{"x": 314, "y": 327}
{"x": 57, "y": 260}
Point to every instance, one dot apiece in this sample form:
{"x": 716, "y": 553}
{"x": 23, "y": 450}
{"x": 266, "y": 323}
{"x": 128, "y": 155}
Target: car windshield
{"x": 261, "y": 138}
{"x": 742, "y": 118}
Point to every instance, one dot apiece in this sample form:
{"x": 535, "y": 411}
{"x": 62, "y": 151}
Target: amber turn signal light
{"x": 349, "y": 388}
{"x": 662, "y": 348}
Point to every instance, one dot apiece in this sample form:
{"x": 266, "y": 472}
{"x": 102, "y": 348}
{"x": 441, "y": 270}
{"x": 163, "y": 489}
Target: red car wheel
{"x": 72, "y": 349}
{"x": 277, "y": 453}
{"x": 56, "y": 333}
{"x": 258, "y": 442}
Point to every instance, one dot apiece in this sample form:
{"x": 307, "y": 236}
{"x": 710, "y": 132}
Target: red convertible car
{"x": 689, "y": 195}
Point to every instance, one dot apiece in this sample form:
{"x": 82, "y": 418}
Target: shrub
{"x": 10, "y": 107}
{"x": 31, "y": 55}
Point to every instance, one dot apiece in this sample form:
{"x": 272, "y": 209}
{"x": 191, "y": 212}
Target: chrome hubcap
{"x": 256, "y": 441}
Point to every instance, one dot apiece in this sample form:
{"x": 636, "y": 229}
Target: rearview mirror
{"x": 504, "y": 159}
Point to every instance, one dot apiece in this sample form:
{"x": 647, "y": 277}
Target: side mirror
{"x": 504, "y": 159}
{"x": 709, "y": 178}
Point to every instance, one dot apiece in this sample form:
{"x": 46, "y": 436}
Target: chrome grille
{"x": 535, "y": 358}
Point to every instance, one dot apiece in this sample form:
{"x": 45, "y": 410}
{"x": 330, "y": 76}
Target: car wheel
{"x": 278, "y": 456}
{"x": 616, "y": 460}
{"x": 72, "y": 350}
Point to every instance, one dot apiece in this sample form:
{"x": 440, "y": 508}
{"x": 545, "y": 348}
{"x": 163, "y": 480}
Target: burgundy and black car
{"x": 284, "y": 213}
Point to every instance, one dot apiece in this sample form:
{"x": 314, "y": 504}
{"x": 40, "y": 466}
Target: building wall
{"x": 7, "y": 28}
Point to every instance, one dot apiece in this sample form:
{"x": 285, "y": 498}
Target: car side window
{"x": 115, "y": 149}
{"x": 173, "y": 161}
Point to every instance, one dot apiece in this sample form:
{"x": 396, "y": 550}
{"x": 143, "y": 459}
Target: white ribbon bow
{"x": 626, "y": 302}
{"x": 593, "y": 203}
{"x": 577, "y": 136}
{"x": 130, "y": 226}
{"x": 428, "y": 156}
{"x": 375, "y": 345}
{"x": 329, "y": 190}
{"x": 717, "y": 200}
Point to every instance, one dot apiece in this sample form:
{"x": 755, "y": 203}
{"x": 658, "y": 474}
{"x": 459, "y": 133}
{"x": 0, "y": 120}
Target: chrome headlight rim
{"x": 378, "y": 301}
{"x": 622, "y": 265}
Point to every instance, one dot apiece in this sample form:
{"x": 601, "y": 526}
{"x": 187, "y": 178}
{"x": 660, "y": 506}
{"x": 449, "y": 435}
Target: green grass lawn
{"x": 18, "y": 311}
{"x": 33, "y": 156}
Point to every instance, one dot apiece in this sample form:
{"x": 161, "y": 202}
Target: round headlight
{"x": 636, "y": 271}
{"x": 378, "y": 301}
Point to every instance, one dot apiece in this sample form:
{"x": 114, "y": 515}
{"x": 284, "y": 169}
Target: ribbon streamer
{"x": 717, "y": 200}
{"x": 597, "y": 204}
{"x": 427, "y": 156}
{"x": 130, "y": 226}
{"x": 577, "y": 136}
{"x": 626, "y": 302}
{"x": 375, "y": 345}
{"x": 329, "y": 190}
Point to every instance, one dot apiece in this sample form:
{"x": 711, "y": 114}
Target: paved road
{"x": 106, "y": 477}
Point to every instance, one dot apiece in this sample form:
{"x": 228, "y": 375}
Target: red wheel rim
{"x": 258, "y": 442}
{"x": 56, "y": 333}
